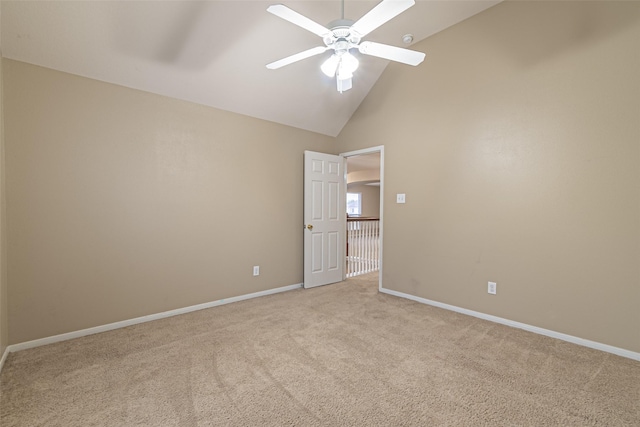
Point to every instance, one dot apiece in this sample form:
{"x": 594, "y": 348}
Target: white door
{"x": 324, "y": 219}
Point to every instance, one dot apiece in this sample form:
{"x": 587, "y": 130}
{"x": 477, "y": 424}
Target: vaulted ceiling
{"x": 214, "y": 52}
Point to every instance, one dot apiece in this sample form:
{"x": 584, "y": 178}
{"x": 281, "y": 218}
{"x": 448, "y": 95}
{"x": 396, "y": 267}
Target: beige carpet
{"x": 339, "y": 355}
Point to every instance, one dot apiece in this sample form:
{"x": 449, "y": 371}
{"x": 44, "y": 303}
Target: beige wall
{"x": 370, "y": 198}
{"x": 122, "y": 203}
{"x": 517, "y": 143}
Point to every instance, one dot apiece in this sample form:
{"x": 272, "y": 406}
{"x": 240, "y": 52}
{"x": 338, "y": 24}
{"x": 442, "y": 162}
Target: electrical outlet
{"x": 256, "y": 270}
{"x": 400, "y": 198}
{"x": 491, "y": 288}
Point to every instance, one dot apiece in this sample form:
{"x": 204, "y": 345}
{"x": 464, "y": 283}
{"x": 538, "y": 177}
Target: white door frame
{"x": 377, "y": 149}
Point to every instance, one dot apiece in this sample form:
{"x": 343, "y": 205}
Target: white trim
{"x": 4, "y": 357}
{"x": 553, "y": 334}
{"x": 363, "y": 151}
{"x": 143, "y": 319}
{"x": 370, "y": 150}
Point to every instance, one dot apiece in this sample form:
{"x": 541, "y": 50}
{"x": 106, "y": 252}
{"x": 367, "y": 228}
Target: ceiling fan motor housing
{"x": 340, "y": 33}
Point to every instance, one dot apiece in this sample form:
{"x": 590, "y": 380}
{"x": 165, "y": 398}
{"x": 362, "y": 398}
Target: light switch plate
{"x": 492, "y": 288}
{"x": 400, "y": 198}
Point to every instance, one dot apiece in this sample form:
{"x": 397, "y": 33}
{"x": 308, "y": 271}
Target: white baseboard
{"x": 4, "y": 357}
{"x": 122, "y": 324}
{"x": 553, "y": 334}
{"x": 143, "y": 319}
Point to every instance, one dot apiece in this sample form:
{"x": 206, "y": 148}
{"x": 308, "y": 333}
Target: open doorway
{"x": 364, "y": 205}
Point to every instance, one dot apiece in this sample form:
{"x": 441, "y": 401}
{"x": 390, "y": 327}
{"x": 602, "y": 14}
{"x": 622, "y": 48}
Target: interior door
{"x": 324, "y": 218}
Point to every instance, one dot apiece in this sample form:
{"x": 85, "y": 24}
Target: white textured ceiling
{"x": 214, "y": 52}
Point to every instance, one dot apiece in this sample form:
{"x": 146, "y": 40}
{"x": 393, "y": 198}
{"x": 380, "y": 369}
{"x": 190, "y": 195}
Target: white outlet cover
{"x": 400, "y": 198}
{"x": 256, "y": 270}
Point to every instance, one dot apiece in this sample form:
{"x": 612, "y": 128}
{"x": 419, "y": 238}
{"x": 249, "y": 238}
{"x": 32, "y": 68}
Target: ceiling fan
{"x": 344, "y": 35}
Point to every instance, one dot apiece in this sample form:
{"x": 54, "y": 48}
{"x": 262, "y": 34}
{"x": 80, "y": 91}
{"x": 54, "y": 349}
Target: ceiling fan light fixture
{"x": 343, "y": 74}
{"x": 348, "y": 63}
{"x": 330, "y": 66}
{"x": 343, "y": 85}
{"x": 342, "y": 64}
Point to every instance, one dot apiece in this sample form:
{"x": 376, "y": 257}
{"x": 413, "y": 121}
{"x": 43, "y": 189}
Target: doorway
{"x": 364, "y": 176}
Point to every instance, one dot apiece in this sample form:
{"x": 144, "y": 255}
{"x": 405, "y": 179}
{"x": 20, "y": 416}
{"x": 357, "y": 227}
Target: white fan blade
{"x": 297, "y": 57}
{"x": 383, "y": 12}
{"x": 294, "y": 17}
{"x": 406, "y": 56}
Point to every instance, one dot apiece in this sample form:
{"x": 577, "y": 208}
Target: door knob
{"x": 310, "y": 227}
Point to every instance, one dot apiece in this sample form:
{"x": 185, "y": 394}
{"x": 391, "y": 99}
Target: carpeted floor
{"x": 338, "y": 355}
